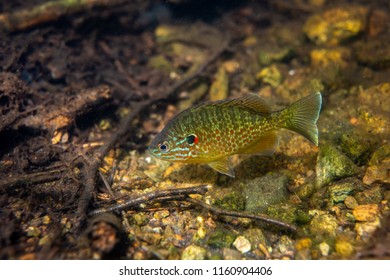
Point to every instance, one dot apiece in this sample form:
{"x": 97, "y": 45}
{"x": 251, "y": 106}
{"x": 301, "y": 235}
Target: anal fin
{"x": 222, "y": 166}
{"x": 265, "y": 145}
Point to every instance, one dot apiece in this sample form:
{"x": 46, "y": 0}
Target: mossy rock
{"x": 320, "y": 199}
{"x": 333, "y": 165}
{"x": 289, "y": 213}
{"x": 270, "y": 75}
{"x": 232, "y": 201}
{"x": 193, "y": 252}
{"x": 356, "y": 146}
{"x": 343, "y": 188}
{"x": 264, "y": 191}
{"x": 324, "y": 224}
{"x": 273, "y": 54}
{"x": 221, "y": 238}
{"x": 255, "y": 236}
{"x": 306, "y": 190}
{"x": 380, "y": 155}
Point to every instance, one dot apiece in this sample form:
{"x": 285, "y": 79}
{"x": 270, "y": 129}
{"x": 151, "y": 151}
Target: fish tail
{"x": 302, "y": 116}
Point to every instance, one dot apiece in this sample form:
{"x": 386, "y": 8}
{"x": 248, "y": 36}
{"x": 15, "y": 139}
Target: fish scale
{"x": 211, "y": 132}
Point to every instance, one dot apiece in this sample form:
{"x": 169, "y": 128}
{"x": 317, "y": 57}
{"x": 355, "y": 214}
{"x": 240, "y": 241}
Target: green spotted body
{"x": 211, "y": 132}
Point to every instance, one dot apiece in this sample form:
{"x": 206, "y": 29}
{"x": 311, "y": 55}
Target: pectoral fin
{"x": 222, "y": 166}
{"x": 266, "y": 145}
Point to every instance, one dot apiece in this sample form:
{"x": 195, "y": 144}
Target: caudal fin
{"x": 302, "y": 116}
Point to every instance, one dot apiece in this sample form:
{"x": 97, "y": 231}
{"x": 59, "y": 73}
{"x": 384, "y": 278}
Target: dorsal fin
{"x": 251, "y": 101}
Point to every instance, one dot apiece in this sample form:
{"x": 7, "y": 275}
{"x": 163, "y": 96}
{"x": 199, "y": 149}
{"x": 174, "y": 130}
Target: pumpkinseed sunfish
{"x": 213, "y": 131}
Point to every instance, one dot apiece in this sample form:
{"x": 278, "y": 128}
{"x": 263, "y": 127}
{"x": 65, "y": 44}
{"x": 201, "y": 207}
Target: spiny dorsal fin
{"x": 251, "y": 101}
{"x": 265, "y": 145}
{"x": 222, "y": 166}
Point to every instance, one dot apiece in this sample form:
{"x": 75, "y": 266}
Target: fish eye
{"x": 191, "y": 139}
{"x": 164, "y": 147}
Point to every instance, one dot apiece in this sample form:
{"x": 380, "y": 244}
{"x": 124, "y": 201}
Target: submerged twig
{"x": 240, "y": 214}
{"x": 169, "y": 194}
{"x": 49, "y": 11}
{"x": 33, "y": 178}
{"x": 182, "y": 194}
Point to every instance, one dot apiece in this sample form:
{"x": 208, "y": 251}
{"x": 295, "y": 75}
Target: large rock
{"x": 333, "y": 165}
{"x": 264, "y": 191}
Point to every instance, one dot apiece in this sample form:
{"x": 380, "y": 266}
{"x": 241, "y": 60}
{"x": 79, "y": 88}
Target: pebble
{"x": 193, "y": 252}
{"x": 161, "y": 214}
{"x": 270, "y": 75}
{"x": 379, "y": 166}
{"x": 324, "y": 224}
{"x": 344, "y": 248}
{"x": 378, "y": 173}
{"x": 335, "y": 56}
{"x": 269, "y": 55}
{"x": 324, "y": 248}
{"x": 230, "y": 254}
{"x": 242, "y": 244}
{"x": 303, "y": 243}
{"x": 342, "y": 189}
{"x": 366, "y": 213}
{"x": 364, "y": 230}
{"x": 286, "y": 246}
{"x": 350, "y": 202}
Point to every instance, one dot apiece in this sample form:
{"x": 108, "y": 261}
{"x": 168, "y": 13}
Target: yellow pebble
{"x": 366, "y": 212}
{"x": 303, "y": 243}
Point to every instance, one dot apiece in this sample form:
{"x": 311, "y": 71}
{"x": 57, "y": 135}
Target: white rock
{"x": 242, "y": 244}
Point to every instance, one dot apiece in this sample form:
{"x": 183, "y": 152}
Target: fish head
{"x": 161, "y": 146}
{"x": 173, "y": 147}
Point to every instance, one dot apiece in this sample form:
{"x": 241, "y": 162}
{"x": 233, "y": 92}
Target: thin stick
{"x": 169, "y": 194}
{"x": 108, "y": 187}
{"x": 49, "y": 11}
{"x": 241, "y": 214}
{"x": 33, "y": 178}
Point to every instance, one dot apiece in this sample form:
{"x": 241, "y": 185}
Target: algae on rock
{"x": 336, "y": 25}
{"x": 343, "y": 188}
{"x": 264, "y": 191}
{"x": 333, "y": 165}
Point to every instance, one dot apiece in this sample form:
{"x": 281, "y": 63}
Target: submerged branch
{"x": 33, "y": 178}
{"x": 169, "y": 194}
{"x": 49, "y": 11}
{"x": 240, "y": 214}
{"x": 182, "y": 194}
